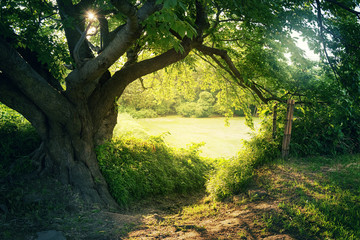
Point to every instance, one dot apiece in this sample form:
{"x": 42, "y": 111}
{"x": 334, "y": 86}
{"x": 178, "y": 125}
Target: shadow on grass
{"x": 320, "y": 198}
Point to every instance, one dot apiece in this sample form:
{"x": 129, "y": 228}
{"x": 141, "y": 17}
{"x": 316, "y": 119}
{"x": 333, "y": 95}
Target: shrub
{"x": 17, "y": 139}
{"x": 144, "y": 113}
{"x": 206, "y": 98}
{"x": 137, "y": 169}
{"x": 233, "y": 176}
{"x": 326, "y": 130}
{"x": 165, "y": 108}
{"x": 187, "y": 109}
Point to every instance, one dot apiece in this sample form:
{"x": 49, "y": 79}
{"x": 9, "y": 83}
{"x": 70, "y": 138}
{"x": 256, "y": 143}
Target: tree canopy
{"x": 57, "y": 56}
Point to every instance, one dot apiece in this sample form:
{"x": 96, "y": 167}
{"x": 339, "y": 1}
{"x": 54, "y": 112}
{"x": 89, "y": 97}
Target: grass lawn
{"x": 220, "y": 140}
{"x": 318, "y": 198}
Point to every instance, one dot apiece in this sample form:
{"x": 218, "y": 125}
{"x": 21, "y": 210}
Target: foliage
{"x": 232, "y": 176}
{"x": 189, "y": 109}
{"x": 142, "y": 113}
{"x": 137, "y": 169}
{"x": 202, "y": 108}
{"x": 245, "y": 45}
{"x": 321, "y": 126}
{"x": 326, "y": 130}
{"x": 17, "y": 139}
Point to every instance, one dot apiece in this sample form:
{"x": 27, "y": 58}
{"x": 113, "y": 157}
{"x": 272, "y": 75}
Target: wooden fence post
{"x": 287, "y": 131}
{"x": 274, "y": 121}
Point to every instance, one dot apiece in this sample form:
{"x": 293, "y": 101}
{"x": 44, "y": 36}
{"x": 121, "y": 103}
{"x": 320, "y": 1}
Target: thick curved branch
{"x": 13, "y": 98}
{"x": 31, "y": 84}
{"x": 88, "y": 75}
{"x": 40, "y": 68}
{"x": 103, "y": 99}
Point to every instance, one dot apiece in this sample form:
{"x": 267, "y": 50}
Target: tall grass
{"x": 233, "y": 176}
{"x": 136, "y": 169}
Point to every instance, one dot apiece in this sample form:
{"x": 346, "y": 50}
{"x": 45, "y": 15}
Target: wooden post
{"x": 274, "y": 121}
{"x": 287, "y": 131}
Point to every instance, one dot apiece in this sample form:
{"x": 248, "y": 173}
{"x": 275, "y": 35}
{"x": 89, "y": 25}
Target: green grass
{"x": 320, "y": 197}
{"x": 137, "y": 169}
{"x": 220, "y": 140}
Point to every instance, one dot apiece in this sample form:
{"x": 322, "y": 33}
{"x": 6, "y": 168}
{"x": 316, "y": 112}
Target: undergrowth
{"x": 136, "y": 169}
{"x": 17, "y": 140}
{"x": 233, "y": 176}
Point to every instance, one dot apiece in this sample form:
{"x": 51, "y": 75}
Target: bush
{"x": 17, "y": 139}
{"x": 165, "y": 108}
{"x": 187, "y": 109}
{"x": 142, "y": 113}
{"x": 137, "y": 169}
{"x": 202, "y": 108}
{"x": 326, "y": 130}
{"x": 233, "y": 176}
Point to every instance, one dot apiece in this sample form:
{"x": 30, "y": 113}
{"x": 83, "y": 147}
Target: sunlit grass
{"x": 220, "y": 140}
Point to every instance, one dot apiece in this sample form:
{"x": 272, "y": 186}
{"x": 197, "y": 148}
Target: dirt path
{"x": 205, "y": 220}
{"x": 170, "y": 217}
{"x": 194, "y": 217}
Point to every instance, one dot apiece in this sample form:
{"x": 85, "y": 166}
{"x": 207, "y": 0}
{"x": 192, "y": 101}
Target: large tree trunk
{"x": 74, "y": 120}
{"x": 69, "y": 155}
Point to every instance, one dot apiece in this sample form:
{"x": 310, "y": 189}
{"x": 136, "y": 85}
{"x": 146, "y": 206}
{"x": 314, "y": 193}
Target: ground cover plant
{"x": 232, "y": 176}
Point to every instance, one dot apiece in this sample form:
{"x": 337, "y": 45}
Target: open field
{"x": 220, "y": 140}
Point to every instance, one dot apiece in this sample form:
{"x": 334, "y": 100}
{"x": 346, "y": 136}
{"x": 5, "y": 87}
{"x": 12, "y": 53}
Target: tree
{"x": 73, "y": 111}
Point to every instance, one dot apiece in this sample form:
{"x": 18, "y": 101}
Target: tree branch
{"x": 76, "y": 54}
{"x": 125, "y": 8}
{"x": 13, "y": 98}
{"x": 30, "y": 83}
{"x": 322, "y": 39}
{"x": 201, "y": 21}
{"x": 86, "y": 78}
{"x": 235, "y": 72}
{"x": 343, "y": 6}
{"x": 115, "y": 86}
{"x": 70, "y": 14}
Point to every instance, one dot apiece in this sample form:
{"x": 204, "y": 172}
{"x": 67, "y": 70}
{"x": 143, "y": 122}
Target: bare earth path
{"x": 173, "y": 217}
{"x": 244, "y": 216}
{"x": 196, "y": 217}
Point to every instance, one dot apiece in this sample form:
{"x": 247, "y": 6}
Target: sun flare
{"x": 91, "y": 16}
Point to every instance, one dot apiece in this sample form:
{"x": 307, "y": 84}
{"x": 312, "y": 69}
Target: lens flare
{"x": 91, "y": 16}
